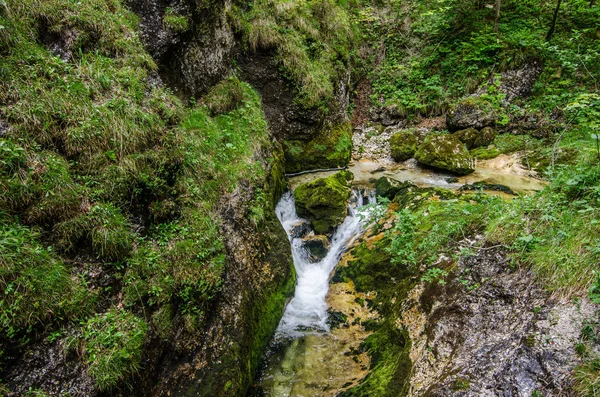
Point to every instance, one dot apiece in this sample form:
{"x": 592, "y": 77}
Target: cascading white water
{"x": 307, "y": 311}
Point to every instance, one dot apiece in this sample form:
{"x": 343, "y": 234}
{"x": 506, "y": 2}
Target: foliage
{"x": 36, "y": 286}
{"x": 111, "y": 345}
{"x": 313, "y": 41}
{"x": 177, "y": 23}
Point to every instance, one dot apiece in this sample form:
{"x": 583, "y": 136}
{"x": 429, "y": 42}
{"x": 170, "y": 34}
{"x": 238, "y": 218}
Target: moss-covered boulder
{"x": 486, "y": 137}
{"x": 330, "y": 149}
{"x": 389, "y": 188}
{"x": 471, "y": 112}
{"x": 446, "y": 152}
{"x": 324, "y": 201}
{"x": 467, "y": 136}
{"x": 403, "y": 145}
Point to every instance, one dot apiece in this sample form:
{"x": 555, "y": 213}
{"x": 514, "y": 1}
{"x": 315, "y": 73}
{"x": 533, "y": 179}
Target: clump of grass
{"x": 37, "y": 287}
{"x": 111, "y": 345}
{"x": 226, "y": 96}
{"x": 103, "y": 227}
{"x": 177, "y": 23}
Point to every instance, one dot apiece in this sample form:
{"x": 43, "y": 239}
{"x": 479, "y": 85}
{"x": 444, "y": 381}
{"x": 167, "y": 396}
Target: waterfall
{"x": 307, "y": 311}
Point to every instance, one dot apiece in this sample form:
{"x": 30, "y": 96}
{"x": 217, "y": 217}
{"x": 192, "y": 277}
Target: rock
{"x": 518, "y": 83}
{"x": 403, "y": 145}
{"x": 487, "y": 186}
{"x": 446, "y": 152}
{"x": 390, "y": 115}
{"x": 324, "y": 201}
{"x": 300, "y": 229}
{"x": 471, "y": 112}
{"x": 317, "y": 247}
{"x": 486, "y": 137}
{"x": 389, "y": 188}
{"x": 468, "y": 137}
{"x": 332, "y": 148}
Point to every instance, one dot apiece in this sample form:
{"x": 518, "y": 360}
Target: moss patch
{"x": 403, "y": 145}
{"x": 332, "y": 148}
{"x": 324, "y": 201}
{"x": 445, "y": 152}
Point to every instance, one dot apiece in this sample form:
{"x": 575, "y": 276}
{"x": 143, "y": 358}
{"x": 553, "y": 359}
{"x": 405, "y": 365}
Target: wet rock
{"x": 4, "y": 126}
{"x": 446, "y": 152}
{"x": 389, "y": 188}
{"x": 470, "y": 112}
{"x": 317, "y": 247}
{"x": 324, "y": 201}
{"x": 300, "y": 229}
{"x": 403, "y": 145}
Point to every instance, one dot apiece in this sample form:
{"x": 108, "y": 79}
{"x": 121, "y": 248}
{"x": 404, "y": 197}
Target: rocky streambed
{"x": 489, "y": 329}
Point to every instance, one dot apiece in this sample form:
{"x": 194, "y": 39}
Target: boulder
{"x": 389, "y": 188}
{"x": 317, "y": 247}
{"x": 324, "y": 201}
{"x": 471, "y": 112}
{"x": 446, "y": 152}
{"x": 403, "y": 145}
{"x": 467, "y": 136}
{"x": 486, "y": 137}
{"x": 300, "y": 229}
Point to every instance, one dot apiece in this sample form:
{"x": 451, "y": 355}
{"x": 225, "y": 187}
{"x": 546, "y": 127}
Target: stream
{"x": 306, "y": 358}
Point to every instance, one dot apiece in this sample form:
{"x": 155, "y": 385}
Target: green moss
{"x": 324, "y": 201}
{"x": 460, "y": 384}
{"x": 467, "y": 136}
{"x": 403, "y": 145}
{"x": 445, "y": 152}
{"x": 225, "y": 96}
{"x": 332, "y": 148}
{"x": 485, "y": 153}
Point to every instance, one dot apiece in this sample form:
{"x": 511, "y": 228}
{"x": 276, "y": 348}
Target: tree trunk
{"x": 497, "y": 21}
{"x": 553, "y": 25}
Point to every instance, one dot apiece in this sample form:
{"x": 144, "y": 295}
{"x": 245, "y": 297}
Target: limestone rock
{"x": 486, "y": 137}
{"x": 317, "y": 247}
{"x": 446, "y": 152}
{"x": 300, "y": 229}
{"x": 403, "y": 145}
{"x": 324, "y": 201}
{"x": 470, "y": 113}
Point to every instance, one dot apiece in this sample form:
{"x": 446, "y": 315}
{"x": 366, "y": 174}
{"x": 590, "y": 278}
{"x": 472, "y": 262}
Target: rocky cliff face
{"x": 191, "y": 40}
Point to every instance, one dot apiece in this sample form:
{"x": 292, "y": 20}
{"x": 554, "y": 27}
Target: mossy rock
{"x": 486, "y": 137}
{"x": 467, "y": 136}
{"x": 471, "y": 112}
{"x": 324, "y": 201}
{"x": 389, "y": 188}
{"x": 332, "y": 148}
{"x": 446, "y": 152}
{"x": 485, "y": 153}
{"x": 403, "y": 145}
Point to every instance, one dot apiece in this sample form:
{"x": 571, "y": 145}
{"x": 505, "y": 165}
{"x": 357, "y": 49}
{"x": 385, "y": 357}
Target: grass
{"x": 111, "y": 345}
{"x": 313, "y": 42}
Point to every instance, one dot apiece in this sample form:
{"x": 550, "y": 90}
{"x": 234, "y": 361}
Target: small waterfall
{"x": 307, "y": 311}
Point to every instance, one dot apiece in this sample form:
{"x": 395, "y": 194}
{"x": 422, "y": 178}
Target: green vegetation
{"x": 111, "y": 345}
{"x": 101, "y": 165}
{"x": 403, "y": 145}
{"x": 313, "y": 41}
{"x": 445, "y": 152}
{"x": 446, "y": 49}
{"x": 177, "y": 23}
